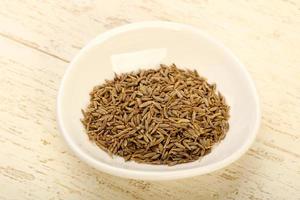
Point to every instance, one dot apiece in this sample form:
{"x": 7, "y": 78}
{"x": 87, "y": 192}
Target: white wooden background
{"x": 39, "y": 38}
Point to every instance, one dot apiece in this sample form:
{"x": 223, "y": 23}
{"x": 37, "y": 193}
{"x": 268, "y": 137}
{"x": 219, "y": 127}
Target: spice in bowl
{"x": 161, "y": 116}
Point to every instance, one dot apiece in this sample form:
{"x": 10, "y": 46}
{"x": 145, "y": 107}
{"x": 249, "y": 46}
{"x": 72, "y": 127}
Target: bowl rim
{"x": 155, "y": 175}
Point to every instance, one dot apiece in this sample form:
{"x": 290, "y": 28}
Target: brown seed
{"x": 147, "y": 103}
{"x": 179, "y": 145}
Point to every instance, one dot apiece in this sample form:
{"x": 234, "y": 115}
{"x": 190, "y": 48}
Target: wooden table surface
{"x": 38, "y": 39}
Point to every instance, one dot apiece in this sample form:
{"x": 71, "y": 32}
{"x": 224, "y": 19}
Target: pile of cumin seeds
{"x": 158, "y": 116}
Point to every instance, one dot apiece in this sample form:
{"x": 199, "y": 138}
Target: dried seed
{"x": 179, "y": 145}
{"x": 183, "y": 121}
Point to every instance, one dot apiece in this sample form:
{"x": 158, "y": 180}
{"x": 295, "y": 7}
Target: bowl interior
{"x": 145, "y": 45}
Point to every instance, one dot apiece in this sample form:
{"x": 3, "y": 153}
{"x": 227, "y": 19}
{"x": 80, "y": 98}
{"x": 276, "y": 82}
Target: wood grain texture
{"x": 39, "y": 38}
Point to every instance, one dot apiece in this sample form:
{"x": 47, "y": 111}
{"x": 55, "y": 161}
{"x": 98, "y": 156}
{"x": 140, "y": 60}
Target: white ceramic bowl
{"x": 140, "y": 45}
